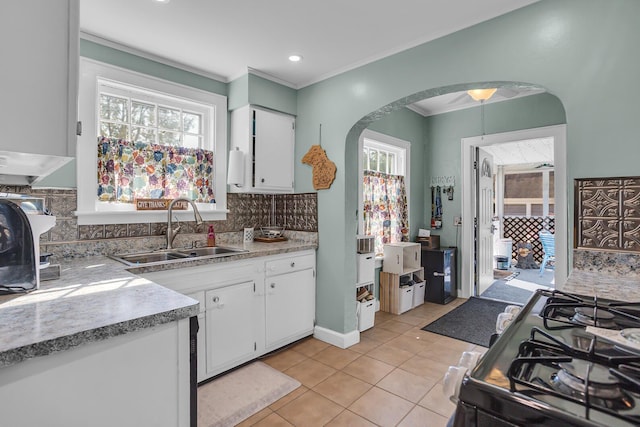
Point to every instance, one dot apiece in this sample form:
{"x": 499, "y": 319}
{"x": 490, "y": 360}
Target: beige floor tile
{"x": 365, "y": 345}
{"x": 437, "y": 402}
{"x": 342, "y": 388}
{"x": 421, "y": 417}
{"x": 256, "y": 417}
{"x": 426, "y": 368}
{"x": 395, "y": 326}
{"x": 336, "y": 357}
{"x": 288, "y": 398}
{"x": 382, "y": 317}
{"x": 310, "y": 372}
{"x": 389, "y": 354}
{"x": 284, "y": 359}
{"x": 368, "y": 369}
{"x": 406, "y": 385}
{"x": 379, "y": 334}
{"x": 413, "y": 319}
{"x": 310, "y": 346}
{"x": 273, "y": 420}
{"x": 408, "y": 343}
{"x": 381, "y": 407}
{"x": 311, "y": 409}
{"x": 348, "y": 419}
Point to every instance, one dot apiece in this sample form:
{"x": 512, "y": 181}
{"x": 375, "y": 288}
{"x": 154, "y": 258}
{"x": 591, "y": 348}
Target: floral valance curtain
{"x": 129, "y": 170}
{"x": 385, "y": 209}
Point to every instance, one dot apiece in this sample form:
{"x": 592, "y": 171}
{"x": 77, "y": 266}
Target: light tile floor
{"x": 393, "y": 377}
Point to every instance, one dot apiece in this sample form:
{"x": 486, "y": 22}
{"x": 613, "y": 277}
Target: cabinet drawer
{"x": 287, "y": 265}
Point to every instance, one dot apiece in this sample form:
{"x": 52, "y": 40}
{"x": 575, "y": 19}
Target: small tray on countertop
{"x": 269, "y": 239}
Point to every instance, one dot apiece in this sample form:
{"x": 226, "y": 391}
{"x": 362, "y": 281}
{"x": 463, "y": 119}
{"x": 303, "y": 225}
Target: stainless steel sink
{"x": 161, "y": 257}
{"x": 210, "y": 251}
{"x": 149, "y": 257}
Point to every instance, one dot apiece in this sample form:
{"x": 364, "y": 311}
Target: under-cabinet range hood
{"x": 27, "y": 168}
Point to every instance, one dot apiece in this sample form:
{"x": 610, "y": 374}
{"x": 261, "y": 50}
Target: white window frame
{"x": 401, "y": 148}
{"x": 92, "y": 211}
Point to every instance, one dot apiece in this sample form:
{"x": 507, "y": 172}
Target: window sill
{"x": 134, "y": 217}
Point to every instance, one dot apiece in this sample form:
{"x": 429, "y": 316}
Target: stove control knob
{"x": 469, "y": 359}
{"x": 452, "y": 382}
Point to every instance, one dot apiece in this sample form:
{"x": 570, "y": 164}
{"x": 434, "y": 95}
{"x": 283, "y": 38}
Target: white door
{"x": 484, "y": 215}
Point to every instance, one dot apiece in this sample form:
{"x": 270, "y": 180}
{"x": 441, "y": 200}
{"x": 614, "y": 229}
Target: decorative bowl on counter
{"x": 272, "y": 232}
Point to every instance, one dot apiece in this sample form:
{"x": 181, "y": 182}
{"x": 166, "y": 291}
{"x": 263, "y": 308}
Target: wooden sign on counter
{"x": 158, "y": 204}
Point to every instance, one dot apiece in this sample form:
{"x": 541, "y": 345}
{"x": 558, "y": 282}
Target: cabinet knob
{"x": 293, "y": 264}
{"x": 261, "y": 179}
{"x": 273, "y": 286}
{"x": 216, "y": 299}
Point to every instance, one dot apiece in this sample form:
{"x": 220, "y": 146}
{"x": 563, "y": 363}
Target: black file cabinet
{"x": 440, "y": 272}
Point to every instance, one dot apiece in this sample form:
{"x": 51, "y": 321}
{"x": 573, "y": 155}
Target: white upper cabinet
{"x": 266, "y": 139}
{"x": 40, "y": 40}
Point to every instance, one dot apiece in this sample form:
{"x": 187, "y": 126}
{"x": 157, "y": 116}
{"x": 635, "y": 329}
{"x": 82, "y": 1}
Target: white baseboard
{"x": 336, "y": 338}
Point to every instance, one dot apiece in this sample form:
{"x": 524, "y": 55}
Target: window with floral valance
{"x": 129, "y": 170}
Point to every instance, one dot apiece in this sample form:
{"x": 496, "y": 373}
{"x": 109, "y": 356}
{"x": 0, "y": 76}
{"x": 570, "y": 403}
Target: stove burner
{"x": 601, "y": 383}
{"x": 585, "y": 316}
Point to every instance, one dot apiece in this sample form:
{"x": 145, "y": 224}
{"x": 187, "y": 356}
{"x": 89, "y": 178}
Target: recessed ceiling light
{"x": 162, "y": 1}
{"x": 295, "y": 58}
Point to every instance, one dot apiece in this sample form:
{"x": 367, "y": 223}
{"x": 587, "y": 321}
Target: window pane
{"x": 373, "y": 160}
{"x": 140, "y": 134}
{"x": 114, "y": 108}
{"x": 169, "y": 138}
{"x": 192, "y": 141}
{"x": 391, "y": 160}
{"x": 382, "y": 159}
{"x": 143, "y": 114}
{"x": 192, "y": 123}
{"x": 113, "y": 130}
{"x": 168, "y": 118}
{"x": 365, "y": 159}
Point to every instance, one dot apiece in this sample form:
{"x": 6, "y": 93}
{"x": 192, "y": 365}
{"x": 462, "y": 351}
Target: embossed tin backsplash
{"x": 608, "y": 214}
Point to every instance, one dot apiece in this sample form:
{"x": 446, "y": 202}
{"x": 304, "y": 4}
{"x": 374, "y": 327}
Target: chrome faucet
{"x": 171, "y": 232}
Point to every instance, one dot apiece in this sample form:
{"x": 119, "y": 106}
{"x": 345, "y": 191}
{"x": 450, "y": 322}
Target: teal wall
{"x": 581, "y": 51}
{"x": 445, "y": 131}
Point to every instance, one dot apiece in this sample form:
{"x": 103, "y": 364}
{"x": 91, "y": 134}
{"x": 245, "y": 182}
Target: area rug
{"x": 236, "y": 396}
{"x": 474, "y": 321}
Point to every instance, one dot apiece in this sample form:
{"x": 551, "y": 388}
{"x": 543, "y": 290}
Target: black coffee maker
{"x": 18, "y": 264}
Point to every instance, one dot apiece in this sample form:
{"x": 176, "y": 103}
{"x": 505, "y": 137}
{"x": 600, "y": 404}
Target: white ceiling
{"x": 223, "y": 39}
{"x": 525, "y": 154}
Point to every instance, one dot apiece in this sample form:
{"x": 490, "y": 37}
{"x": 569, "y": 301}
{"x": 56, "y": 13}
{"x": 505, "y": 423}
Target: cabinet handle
{"x": 436, "y": 274}
{"x": 293, "y": 264}
{"x": 398, "y": 259}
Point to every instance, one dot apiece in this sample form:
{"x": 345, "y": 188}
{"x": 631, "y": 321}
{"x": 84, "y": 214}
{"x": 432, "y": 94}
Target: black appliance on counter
{"x": 547, "y": 370}
{"x": 440, "y": 273}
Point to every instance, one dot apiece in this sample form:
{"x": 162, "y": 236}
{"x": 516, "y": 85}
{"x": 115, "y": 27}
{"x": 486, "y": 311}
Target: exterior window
{"x": 155, "y": 139}
{"x": 384, "y": 188}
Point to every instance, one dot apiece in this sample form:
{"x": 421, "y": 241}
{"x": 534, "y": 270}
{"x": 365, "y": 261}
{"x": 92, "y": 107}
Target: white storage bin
{"x": 366, "y": 314}
{"x": 366, "y": 267}
{"x": 406, "y": 299}
{"x": 418, "y": 293}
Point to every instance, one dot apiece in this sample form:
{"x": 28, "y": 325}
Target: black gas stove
{"x": 547, "y": 370}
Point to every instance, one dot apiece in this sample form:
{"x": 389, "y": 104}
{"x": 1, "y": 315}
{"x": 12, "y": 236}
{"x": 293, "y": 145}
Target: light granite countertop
{"x": 97, "y": 298}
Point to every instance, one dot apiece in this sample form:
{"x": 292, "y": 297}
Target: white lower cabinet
{"x": 290, "y": 307}
{"x": 231, "y": 314}
{"x": 248, "y": 307}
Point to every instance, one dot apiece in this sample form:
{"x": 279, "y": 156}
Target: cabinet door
{"x": 39, "y": 94}
{"x": 290, "y": 307}
{"x": 230, "y": 320}
{"x": 274, "y": 145}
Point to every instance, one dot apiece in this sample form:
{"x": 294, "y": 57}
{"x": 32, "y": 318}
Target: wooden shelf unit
{"x": 391, "y": 293}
